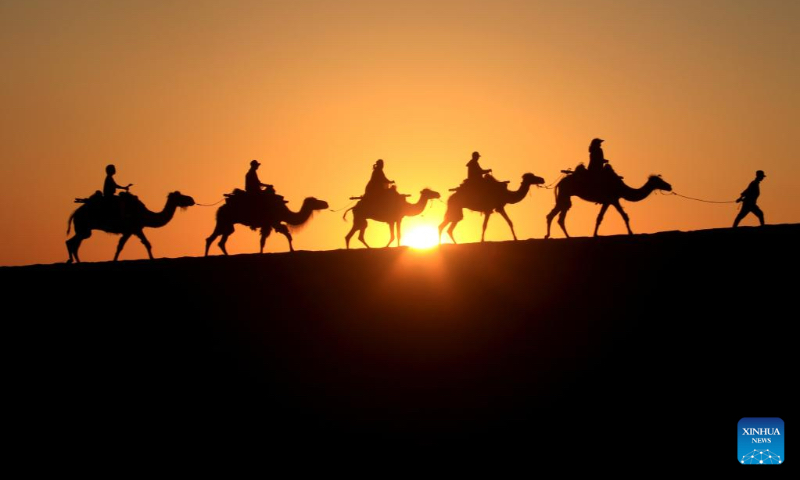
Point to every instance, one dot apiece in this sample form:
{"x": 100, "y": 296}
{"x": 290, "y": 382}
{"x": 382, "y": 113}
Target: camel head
{"x": 429, "y": 194}
{"x": 531, "y": 179}
{"x": 658, "y": 183}
{"x": 180, "y": 200}
{"x": 315, "y": 204}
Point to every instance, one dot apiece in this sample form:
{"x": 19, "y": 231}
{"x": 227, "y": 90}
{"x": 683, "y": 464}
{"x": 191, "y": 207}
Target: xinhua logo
{"x": 760, "y": 441}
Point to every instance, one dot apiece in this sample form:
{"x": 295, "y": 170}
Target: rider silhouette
{"x": 474, "y": 170}
{"x": 378, "y": 183}
{"x": 110, "y": 187}
{"x": 252, "y": 184}
{"x": 596, "y": 159}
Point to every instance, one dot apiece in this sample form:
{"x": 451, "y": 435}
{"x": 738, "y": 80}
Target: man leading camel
{"x": 748, "y": 200}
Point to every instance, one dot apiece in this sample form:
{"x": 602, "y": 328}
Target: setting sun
{"x": 421, "y": 237}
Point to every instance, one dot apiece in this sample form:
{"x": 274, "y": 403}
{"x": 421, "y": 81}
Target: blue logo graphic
{"x": 760, "y": 441}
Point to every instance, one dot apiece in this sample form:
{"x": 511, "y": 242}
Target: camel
{"x": 608, "y": 192}
{"x": 391, "y": 211}
{"x": 95, "y": 214}
{"x": 488, "y": 200}
{"x": 279, "y": 219}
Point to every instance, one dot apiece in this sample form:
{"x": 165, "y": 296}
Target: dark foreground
{"x": 636, "y": 351}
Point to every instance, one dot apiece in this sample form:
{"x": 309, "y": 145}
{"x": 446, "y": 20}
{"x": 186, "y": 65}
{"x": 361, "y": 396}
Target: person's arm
{"x": 120, "y": 187}
{"x": 744, "y": 194}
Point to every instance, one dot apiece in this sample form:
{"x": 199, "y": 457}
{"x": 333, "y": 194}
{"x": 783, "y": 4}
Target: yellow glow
{"x": 421, "y": 237}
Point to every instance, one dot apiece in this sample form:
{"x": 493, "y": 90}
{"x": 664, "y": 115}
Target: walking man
{"x": 748, "y": 200}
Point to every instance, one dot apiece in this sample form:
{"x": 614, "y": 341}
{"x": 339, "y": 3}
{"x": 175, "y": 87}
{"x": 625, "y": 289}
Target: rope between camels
{"x": 552, "y": 185}
{"x": 696, "y": 199}
{"x": 208, "y": 205}
{"x": 346, "y": 206}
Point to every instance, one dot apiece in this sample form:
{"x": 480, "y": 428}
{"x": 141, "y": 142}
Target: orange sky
{"x": 182, "y": 95}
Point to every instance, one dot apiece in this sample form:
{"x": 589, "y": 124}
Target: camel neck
{"x": 636, "y": 194}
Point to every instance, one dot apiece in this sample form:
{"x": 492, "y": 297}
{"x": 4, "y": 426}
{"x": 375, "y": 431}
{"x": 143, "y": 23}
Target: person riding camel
{"x": 252, "y": 184}
{"x": 378, "y": 183}
{"x": 596, "y": 159}
{"x": 110, "y": 187}
{"x": 474, "y": 171}
{"x": 112, "y": 201}
{"x": 599, "y": 166}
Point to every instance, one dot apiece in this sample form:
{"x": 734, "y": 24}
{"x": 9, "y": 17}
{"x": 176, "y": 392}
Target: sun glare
{"x": 421, "y": 237}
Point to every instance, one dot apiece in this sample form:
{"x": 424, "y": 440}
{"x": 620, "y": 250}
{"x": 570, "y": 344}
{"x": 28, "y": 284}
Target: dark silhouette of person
{"x": 110, "y": 187}
{"x": 252, "y": 184}
{"x": 474, "y": 171}
{"x": 596, "y": 159}
{"x": 748, "y": 200}
{"x": 378, "y": 183}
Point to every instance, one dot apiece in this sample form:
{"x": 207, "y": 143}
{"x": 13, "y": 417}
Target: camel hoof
{"x": 69, "y": 261}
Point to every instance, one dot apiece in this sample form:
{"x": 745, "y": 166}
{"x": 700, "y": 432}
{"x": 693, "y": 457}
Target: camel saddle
{"x": 125, "y": 204}
{"x": 485, "y": 185}
{"x": 606, "y": 178}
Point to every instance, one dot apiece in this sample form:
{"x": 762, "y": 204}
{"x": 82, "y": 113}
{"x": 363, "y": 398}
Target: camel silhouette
{"x": 608, "y": 191}
{"x": 278, "y": 218}
{"x": 97, "y": 214}
{"x": 389, "y": 210}
{"x": 485, "y": 200}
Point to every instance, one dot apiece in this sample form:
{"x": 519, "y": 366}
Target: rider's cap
{"x": 475, "y": 154}
{"x": 761, "y": 174}
{"x": 598, "y": 140}
{"x": 254, "y": 163}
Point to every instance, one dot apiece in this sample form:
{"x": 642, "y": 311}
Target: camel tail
{"x": 69, "y": 222}
{"x": 344, "y": 217}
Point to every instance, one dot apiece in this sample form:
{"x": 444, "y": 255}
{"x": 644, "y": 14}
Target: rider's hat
{"x": 255, "y": 163}
{"x": 760, "y": 174}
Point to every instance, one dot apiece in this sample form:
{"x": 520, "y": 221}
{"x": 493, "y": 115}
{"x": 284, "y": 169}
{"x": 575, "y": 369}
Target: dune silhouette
{"x": 489, "y": 348}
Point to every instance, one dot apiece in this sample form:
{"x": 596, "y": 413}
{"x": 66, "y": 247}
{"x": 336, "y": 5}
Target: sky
{"x": 181, "y": 95}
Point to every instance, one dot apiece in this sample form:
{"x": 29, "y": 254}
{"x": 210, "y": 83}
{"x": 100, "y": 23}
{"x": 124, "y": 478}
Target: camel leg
{"x": 125, "y": 237}
{"x": 349, "y": 236}
{"x": 284, "y": 230}
{"x": 209, "y": 241}
{"x": 263, "y": 239}
{"x": 391, "y": 234}
{"x": 486, "y": 216}
{"x": 222, "y": 242}
{"x": 441, "y": 229}
{"x": 600, "y": 218}
{"x": 450, "y": 231}
{"x": 400, "y": 224}
{"x": 74, "y": 243}
{"x": 361, "y": 237}
{"x": 146, "y": 243}
{"x": 217, "y": 232}
{"x": 502, "y": 212}
{"x": 562, "y": 222}
{"x": 624, "y": 216}
{"x": 550, "y": 217}
{"x": 220, "y": 229}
